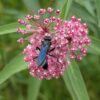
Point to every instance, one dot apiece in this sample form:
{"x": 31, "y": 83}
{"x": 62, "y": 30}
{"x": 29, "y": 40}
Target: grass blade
{"x": 97, "y": 3}
{"x": 59, "y": 5}
{"x": 66, "y": 8}
{"x": 33, "y": 88}
{"x": 94, "y": 48}
{"x": 16, "y": 65}
{"x": 32, "y": 4}
{"x": 74, "y": 82}
{"x": 82, "y": 12}
{"x": 9, "y": 28}
{"x": 20, "y": 96}
{"x": 88, "y": 5}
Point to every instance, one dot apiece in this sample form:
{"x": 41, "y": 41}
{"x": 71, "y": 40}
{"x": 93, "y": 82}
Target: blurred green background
{"x": 21, "y": 86}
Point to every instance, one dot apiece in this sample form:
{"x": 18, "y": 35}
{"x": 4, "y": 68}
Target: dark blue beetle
{"x": 45, "y": 48}
{"x": 43, "y": 52}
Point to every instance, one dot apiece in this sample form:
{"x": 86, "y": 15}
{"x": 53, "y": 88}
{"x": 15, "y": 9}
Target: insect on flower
{"x": 45, "y": 48}
{"x": 50, "y": 40}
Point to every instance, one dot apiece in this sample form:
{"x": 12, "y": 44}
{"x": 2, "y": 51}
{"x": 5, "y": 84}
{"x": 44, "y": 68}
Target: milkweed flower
{"x": 68, "y": 38}
{"x": 76, "y": 33}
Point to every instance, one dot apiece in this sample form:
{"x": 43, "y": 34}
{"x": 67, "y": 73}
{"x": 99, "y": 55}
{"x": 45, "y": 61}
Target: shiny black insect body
{"x": 44, "y": 50}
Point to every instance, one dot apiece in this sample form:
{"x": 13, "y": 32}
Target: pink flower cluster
{"x": 68, "y": 38}
{"x": 76, "y": 35}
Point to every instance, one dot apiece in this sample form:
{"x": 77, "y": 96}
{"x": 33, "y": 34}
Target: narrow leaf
{"x": 94, "y": 29}
{"x": 59, "y": 5}
{"x": 82, "y": 12}
{"x": 32, "y": 4}
{"x": 20, "y": 96}
{"x": 16, "y": 65}
{"x": 9, "y": 28}
{"x": 74, "y": 82}
{"x": 94, "y": 48}
{"x": 88, "y": 5}
{"x": 66, "y": 8}
{"x": 97, "y": 3}
{"x": 33, "y": 88}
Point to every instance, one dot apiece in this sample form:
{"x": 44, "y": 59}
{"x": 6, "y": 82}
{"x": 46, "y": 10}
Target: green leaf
{"x": 97, "y": 3}
{"x": 59, "y": 5}
{"x": 82, "y": 12}
{"x": 74, "y": 82}
{"x": 9, "y": 28}
{"x": 14, "y": 66}
{"x": 32, "y": 4}
{"x": 94, "y": 48}
{"x": 11, "y": 11}
{"x": 88, "y": 5}
{"x": 33, "y": 88}
{"x": 66, "y": 8}
{"x": 94, "y": 29}
{"x": 20, "y": 96}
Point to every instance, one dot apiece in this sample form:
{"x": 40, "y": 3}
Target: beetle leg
{"x": 51, "y": 49}
{"x": 54, "y": 57}
{"x": 37, "y": 48}
{"x": 35, "y": 58}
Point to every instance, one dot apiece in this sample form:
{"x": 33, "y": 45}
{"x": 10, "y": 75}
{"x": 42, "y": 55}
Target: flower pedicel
{"x": 67, "y": 39}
